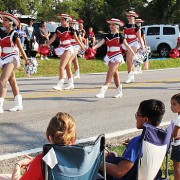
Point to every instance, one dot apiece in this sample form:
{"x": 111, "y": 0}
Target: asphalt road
{"x": 25, "y": 130}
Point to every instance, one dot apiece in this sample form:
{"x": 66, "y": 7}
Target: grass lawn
{"x": 50, "y": 68}
{"x": 120, "y": 149}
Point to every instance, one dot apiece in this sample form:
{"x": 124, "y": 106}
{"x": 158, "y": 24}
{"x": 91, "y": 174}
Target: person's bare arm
{"x": 118, "y": 170}
{"x": 138, "y": 33}
{"x": 52, "y": 39}
{"x": 176, "y": 131}
{"x": 16, "y": 175}
{"x": 18, "y": 42}
{"x": 99, "y": 44}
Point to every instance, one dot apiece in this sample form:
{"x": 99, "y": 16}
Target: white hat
{"x": 74, "y": 21}
{"x": 11, "y": 17}
{"x": 132, "y": 13}
{"x": 116, "y": 21}
{"x": 65, "y": 16}
{"x": 139, "y": 21}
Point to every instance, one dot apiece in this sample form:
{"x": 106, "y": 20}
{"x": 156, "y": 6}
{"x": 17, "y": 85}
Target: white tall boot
{"x": 102, "y": 92}
{"x": 59, "y": 85}
{"x": 1, "y": 105}
{"x": 70, "y": 84}
{"x": 130, "y": 78}
{"x": 77, "y": 74}
{"x": 17, "y": 103}
{"x": 118, "y": 92}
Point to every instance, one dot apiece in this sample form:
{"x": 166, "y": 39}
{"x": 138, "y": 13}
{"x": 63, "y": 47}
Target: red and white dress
{"x": 9, "y": 50}
{"x": 114, "y": 48}
{"x": 130, "y": 31}
{"x": 64, "y": 35}
{"x": 74, "y": 43}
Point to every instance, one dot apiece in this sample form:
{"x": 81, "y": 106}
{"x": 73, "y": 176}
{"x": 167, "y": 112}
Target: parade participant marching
{"x": 132, "y": 34}
{"x": 65, "y": 50}
{"x": 138, "y": 67}
{"x": 76, "y": 47}
{"x": 113, "y": 58}
{"x": 9, "y": 59}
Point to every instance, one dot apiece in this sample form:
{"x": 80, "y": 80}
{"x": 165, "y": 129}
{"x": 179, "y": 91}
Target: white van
{"x": 161, "y": 37}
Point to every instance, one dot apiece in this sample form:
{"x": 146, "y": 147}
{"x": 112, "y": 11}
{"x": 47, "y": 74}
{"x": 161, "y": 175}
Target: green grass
{"x": 120, "y": 149}
{"x": 50, "y": 68}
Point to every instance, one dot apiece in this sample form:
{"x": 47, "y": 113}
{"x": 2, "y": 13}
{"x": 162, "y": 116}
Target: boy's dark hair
{"x": 152, "y": 109}
{"x": 176, "y": 97}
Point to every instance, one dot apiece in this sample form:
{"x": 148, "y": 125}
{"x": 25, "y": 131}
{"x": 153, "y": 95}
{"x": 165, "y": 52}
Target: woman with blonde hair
{"x": 61, "y": 130}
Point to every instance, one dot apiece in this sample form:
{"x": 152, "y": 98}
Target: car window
{"x": 52, "y": 26}
{"x": 153, "y": 31}
{"x": 168, "y": 31}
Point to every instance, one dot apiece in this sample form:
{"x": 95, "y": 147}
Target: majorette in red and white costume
{"x": 113, "y": 58}
{"x": 9, "y": 50}
{"x": 10, "y": 44}
{"x": 64, "y": 35}
{"x": 65, "y": 50}
{"x": 114, "y": 43}
{"x": 130, "y": 31}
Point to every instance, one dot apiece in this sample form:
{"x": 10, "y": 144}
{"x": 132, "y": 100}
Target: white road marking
{"x": 108, "y": 136}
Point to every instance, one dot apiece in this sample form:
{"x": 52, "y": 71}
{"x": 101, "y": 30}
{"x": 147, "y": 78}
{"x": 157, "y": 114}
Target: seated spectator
{"x": 150, "y": 111}
{"x": 43, "y": 36}
{"x": 61, "y": 130}
{"x": 90, "y": 37}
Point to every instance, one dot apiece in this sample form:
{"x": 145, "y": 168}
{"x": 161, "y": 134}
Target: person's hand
{"x": 24, "y": 162}
{"x": 126, "y": 142}
{"x": 27, "y": 62}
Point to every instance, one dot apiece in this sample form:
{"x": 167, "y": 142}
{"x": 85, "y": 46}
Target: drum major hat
{"x": 14, "y": 19}
{"x": 65, "y": 16}
{"x": 132, "y": 13}
{"x": 116, "y": 21}
{"x": 139, "y": 21}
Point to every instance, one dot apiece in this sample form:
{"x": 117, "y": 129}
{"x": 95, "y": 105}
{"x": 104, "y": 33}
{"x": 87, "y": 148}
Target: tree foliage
{"x": 96, "y": 12}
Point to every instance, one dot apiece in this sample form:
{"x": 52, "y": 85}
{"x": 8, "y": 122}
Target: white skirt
{"x": 60, "y": 50}
{"x": 132, "y": 44}
{"x": 76, "y": 47}
{"x": 117, "y": 58}
{"x": 10, "y": 59}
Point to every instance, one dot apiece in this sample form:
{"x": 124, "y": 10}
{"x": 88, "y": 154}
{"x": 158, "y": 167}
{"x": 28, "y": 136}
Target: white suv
{"x": 161, "y": 38}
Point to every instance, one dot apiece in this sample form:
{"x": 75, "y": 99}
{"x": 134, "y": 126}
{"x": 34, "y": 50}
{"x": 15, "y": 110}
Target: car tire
{"x": 163, "y": 50}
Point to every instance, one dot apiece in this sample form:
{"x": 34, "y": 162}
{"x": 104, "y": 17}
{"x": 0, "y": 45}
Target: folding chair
{"x": 155, "y": 146}
{"x": 76, "y": 162}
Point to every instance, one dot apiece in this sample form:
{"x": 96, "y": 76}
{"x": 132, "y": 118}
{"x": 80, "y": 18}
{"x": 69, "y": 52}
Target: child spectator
{"x": 61, "y": 130}
{"x": 175, "y": 154}
{"x": 90, "y": 38}
{"x": 43, "y": 36}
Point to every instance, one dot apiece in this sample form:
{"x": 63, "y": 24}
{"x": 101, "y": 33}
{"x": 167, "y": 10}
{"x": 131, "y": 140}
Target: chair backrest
{"x": 155, "y": 145}
{"x": 77, "y": 162}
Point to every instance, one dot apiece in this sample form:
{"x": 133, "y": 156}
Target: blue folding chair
{"x": 155, "y": 146}
{"x": 76, "y": 162}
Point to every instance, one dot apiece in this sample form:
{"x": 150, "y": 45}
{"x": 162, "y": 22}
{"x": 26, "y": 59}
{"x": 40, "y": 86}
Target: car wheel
{"x": 164, "y": 50}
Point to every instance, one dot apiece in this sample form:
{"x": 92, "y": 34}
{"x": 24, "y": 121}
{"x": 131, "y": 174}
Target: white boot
{"x": 102, "y": 92}
{"x": 1, "y": 105}
{"x": 77, "y": 74}
{"x": 18, "y": 103}
{"x": 70, "y": 84}
{"x": 59, "y": 85}
{"x": 118, "y": 92}
{"x": 130, "y": 78}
